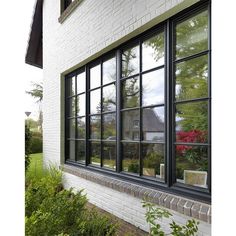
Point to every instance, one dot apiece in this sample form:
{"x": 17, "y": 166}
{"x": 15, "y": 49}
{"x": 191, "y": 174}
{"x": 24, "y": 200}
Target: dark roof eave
{"x": 34, "y": 53}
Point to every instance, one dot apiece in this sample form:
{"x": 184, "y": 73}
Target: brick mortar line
{"x": 157, "y": 197}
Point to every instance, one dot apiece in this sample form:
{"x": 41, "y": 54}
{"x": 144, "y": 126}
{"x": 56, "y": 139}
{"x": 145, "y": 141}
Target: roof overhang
{"x": 34, "y": 53}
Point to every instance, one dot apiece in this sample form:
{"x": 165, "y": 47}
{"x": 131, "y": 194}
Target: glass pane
{"x": 81, "y": 128}
{"x": 95, "y": 127}
{"x": 71, "y": 86}
{"x": 95, "y": 77}
{"x": 95, "y": 153}
{"x": 81, "y": 83}
{"x": 72, "y": 150}
{"x": 109, "y": 126}
{"x": 81, "y": 151}
{"x": 153, "y": 52}
{"x": 192, "y": 165}
{"x": 153, "y": 88}
{"x": 71, "y": 107}
{"x": 130, "y": 154}
{"x": 130, "y": 125}
{"x": 191, "y": 122}
{"x": 153, "y": 160}
{"x": 130, "y": 92}
{"x": 109, "y": 71}
{"x": 95, "y": 101}
{"x": 192, "y": 79}
{"x": 109, "y": 98}
{"x": 72, "y": 128}
{"x": 153, "y": 124}
{"x": 192, "y": 35}
{"x": 109, "y": 155}
{"x": 130, "y": 61}
{"x": 81, "y": 105}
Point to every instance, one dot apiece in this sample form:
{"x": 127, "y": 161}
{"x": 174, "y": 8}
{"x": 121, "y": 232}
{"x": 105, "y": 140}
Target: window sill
{"x": 198, "y": 210}
{"x": 66, "y": 13}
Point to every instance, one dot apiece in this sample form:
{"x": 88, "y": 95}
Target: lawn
{"x": 36, "y": 165}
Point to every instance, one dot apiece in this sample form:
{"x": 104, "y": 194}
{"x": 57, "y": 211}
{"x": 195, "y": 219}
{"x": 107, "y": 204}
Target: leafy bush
{"x": 37, "y": 142}
{"x": 28, "y": 144}
{"x": 155, "y": 213}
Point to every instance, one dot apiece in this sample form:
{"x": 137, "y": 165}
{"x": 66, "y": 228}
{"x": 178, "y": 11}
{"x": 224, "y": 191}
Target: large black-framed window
{"x": 142, "y": 112}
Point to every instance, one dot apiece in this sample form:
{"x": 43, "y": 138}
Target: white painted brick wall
{"x": 94, "y": 28}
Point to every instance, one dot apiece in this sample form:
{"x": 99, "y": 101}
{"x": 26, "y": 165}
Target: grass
{"x": 36, "y": 166}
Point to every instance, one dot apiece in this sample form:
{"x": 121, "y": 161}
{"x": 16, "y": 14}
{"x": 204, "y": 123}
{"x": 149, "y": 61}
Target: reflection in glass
{"x": 153, "y": 124}
{"x": 153, "y": 88}
{"x": 81, "y": 151}
{"x": 153, "y": 52}
{"x": 95, "y": 127}
{"x": 81, "y": 83}
{"x": 192, "y": 35}
{"x": 130, "y": 61}
{"x": 109, "y": 126}
{"x": 191, "y": 122}
{"x": 72, "y": 129}
{"x": 95, "y": 101}
{"x": 130, "y": 125}
{"x": 109, "y": 71}
{"x": 153, "y": 160}
{"x": 109, "y": 98}
{"x": 95, "y": 153}
{"x": 130, "y": 92}
{"x": 192, "y": 165}
{"x": 71, "y": 86}
{"x": 130, "y": 154}
{"x": 81, "y": 129}
{"x": 192, "y": 79}
{"x": 95, "y": 77}
{"x": 72, "y": 150}
{"x": 71, "y": 107}
{"x": 81, "y": 105}
{"x": 109, "y": 155}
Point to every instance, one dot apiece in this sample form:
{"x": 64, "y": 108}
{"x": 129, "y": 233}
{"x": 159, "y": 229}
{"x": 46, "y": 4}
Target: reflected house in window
{"x": 127, "y": 102}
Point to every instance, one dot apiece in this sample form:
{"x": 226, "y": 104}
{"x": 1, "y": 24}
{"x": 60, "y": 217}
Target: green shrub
{"x": 28, "y": 144}
{"x": 37, "y": 142}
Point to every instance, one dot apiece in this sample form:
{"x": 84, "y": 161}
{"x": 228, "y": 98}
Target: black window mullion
{"x": 140, "y": 110}
{"x": 87, "y": 120}
{"x": 76, "y": 130}
{"x": 101, "y": 123}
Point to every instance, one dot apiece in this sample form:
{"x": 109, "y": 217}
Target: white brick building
{"x": 170, "y": 70}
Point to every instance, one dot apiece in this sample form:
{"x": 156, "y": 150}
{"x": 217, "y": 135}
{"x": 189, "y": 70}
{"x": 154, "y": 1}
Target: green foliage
{"x": 37, "y": 143}
{"x": 133, "y": 167}
{"x": 155, "y": 213}
{"x": 28, "y": 142}
{"x": 153, "y": 160}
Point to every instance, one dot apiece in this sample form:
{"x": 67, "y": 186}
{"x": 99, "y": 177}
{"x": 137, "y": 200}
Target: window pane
{"x": 192, "y": 35}
{"x": 95, "y": 101}
{"x": 95, "y": 77}
{"x": 109, "y": 126}
{"x": 153, "y": 160}
{"x": 81, "y": 105}
{"x": 130, "y": 125}
{"x": 81, "y": 151}
{"x": 153, "y": 52}
{"x": 191, "y": 122}
{"x": 71, "y": 86}
{"x": 81, "y": 128}
{"x": 72, "y": 150}
{"x": 109, "y": 71}
{"x": 81, "y": 83}
{"x": 72, "y": 128}
{"x": 95, "y": 153}
{"x": 130, "y": 154}
{"x": 153, "y": 124}
{"x": 109, "y": 155}
{"x": 71, "y": 107}
{"x": 109, "y": 98}
{"x": 95, "y": 127}
{"x": 130, "y": 92}
{"x": 153, "y": 87}
{"x": 130, "y": 61}
{"x": 192, "y": 79}
{"x": 192, "y": 165}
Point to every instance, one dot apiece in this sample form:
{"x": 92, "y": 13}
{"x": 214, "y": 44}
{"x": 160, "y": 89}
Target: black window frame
{"x": 170, "y": 184}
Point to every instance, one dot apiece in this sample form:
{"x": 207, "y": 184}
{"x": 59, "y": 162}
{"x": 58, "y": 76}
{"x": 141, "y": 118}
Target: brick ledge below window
{"x": 200, "y": 211}
{"x": 69, "y": 10}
